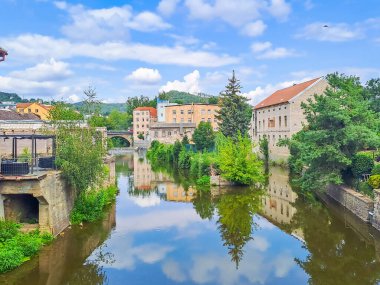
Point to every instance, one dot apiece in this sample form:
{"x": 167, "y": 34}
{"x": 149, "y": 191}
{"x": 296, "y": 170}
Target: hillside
{"x": 7, "y": 97}
{"x": 105, "y": 108}
{"x": 186, "y": 98}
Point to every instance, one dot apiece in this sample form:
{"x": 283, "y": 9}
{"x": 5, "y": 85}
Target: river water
{"x": 162, "y": 230}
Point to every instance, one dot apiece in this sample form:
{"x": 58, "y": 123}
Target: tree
{"x": 63, "y": 111}
{"x": 142, "y": 101}
{"x": 237, "y": 162}
{"x": 339, "y": 124}
{"x": 235, "y": 113}
{"x": 140, "y": 136}
{"x": 119, "y": 120}
{"x": 185, "y": 140}
{"x": 91, "y": 103}
{"x": 204, "y": 136}
{"x": 372, "y": 93}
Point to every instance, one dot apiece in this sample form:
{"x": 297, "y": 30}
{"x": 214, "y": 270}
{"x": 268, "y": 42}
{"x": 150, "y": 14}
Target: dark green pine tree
{"x": 235, "y": 112}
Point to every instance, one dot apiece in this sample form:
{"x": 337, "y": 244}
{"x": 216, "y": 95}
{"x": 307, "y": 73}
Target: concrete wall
{"x": 55, "y": 197}
{"x": 355, "y": 202}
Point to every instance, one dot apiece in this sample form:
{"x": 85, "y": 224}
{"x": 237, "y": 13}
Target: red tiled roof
{"x": 153, "y": 111}
{"x": 23, "y": 105}
{"x": 26, "y": 105}
{"x": 284, "y": 95}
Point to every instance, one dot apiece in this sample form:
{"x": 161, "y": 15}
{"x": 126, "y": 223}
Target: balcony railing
{"x": 26, "y": 165}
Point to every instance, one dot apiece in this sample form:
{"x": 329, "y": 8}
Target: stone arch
{"x": 124, "y": 138}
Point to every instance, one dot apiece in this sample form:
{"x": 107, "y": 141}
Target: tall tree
{"x": 142, "y": 101}
{"x": 91, "y": 103}
{"x": 372, "y": 92}
{"x": 235, "y": 112}
{"x": 204, "y": 136}
{"x": 339, "y": 124}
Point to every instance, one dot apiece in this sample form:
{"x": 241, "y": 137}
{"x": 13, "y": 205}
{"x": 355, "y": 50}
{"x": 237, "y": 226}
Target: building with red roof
{"x": 143, "y": 117}
{"x": 280, "y": 115}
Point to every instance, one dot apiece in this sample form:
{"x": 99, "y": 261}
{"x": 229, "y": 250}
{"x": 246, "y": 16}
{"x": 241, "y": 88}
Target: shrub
{"x": 8, "y": 230}
{"x": 89, "y": 205}
{"x": 365, "y": 188}
{"x": 203, "y": 181}
{"x": 184, "y": 160}
{"x": 376, "y": 169}
{"x": 374, "y": 181}
{"x": 361, "y": 164}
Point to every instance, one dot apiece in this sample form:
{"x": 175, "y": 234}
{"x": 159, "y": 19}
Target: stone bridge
{"x": 126, "y": 135}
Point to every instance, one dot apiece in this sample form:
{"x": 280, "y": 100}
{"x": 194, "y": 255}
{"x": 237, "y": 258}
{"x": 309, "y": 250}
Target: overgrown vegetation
{"x": 90, "y": 205}
{"x": 340, "y": 123}
{"x": 17, "y": 247}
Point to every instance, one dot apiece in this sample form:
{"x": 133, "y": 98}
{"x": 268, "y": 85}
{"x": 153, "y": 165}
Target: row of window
{"x": 272, "y": 139}
{"x": 189, "y": 120}
{"x": 143, "y": 119}
{"x": 203, "y": 112}
{"x": 142, "y": 126}
{"x": 29, "y": 110}
{"x": 272, "y": 122}
{"x": 142, "y": 113}
{"x": 274, "y": 109}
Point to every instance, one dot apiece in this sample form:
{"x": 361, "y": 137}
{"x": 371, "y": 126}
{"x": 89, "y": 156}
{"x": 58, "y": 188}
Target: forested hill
{"x": 9, "y": 97}
{"x": 186, "y": 98}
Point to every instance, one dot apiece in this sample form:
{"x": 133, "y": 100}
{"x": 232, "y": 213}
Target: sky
{"x": 129, "y": 48}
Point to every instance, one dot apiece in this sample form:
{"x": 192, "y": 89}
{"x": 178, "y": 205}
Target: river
{"x": 162, "y": 230}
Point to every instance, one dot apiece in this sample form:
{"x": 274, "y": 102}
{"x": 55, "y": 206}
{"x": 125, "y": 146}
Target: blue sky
{"x": 127, "y": 48}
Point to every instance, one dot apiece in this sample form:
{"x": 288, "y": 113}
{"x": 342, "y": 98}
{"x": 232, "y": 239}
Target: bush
{"x": 376, "y": 169}
{"x": 361, "y": 164}
{"x": 184, "y": 160}
{"x": 8, "y": 230}
{"x": 203, "y": 181}
{"x": 89, "y": 205}
{"x": 17, "y": 247}
{"x": 365, "y": 188}
{"x": 374, "y": 181}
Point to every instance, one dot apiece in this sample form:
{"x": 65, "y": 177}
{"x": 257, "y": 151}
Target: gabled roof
{"x": 286, "y": 94}
{"x": 26, "y": 105}
{"x": 153, "y": 111}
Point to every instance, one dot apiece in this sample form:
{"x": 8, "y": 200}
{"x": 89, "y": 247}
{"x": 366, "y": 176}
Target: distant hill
{"x": 105, "y": 108}
{"x": 187, "y": 98}
{"x": 6, "y": 97}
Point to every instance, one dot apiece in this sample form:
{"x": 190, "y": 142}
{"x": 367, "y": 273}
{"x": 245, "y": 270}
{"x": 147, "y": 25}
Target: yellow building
{"x": 192, "y": 113}
{"x": 38, "y": 109}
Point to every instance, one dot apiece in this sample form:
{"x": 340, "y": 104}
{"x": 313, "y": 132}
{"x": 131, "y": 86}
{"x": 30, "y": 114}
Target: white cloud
{"x": 34, "y": 46}
{"x": 50, "y": 70}
{"x": 280, "y": 9}
{"x": 239, "y": 13}
{"x": 264, "y": 50}
{"x": 74, "y": 98}
{"x": 254, "y": 29}
{"x": 338, "y": 32}
{"x": 167, "y": 7}
{"x": 144, "y": 202}
{"x": 173, "y": 271}
{"x": 108, "y": 23}
{"x": 144, "y": 75}
{"x": 189, "y": 84}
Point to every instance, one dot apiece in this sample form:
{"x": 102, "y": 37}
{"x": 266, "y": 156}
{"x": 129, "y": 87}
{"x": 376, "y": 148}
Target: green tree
{"x": 119, "y": 120}
{"x": 264, "y": 149}
{"x": 204, "y": 136}
{"x": 235, "y": 112}
{"x": 185, "y": 140}
{"x": 237, "y": 162}
{"x": 64, "y": 112}
{"x": 339, "y": 124}
{"x": 372, "y": 93}
{"x": 142, "y": 101}
{"x": 91, "y": 103}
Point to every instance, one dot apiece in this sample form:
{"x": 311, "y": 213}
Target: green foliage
{"x": 237, "y": 162}
{"x": 17, "y": 247}
{"x": 142, "y": 101}
{"x": 365, "y": 188}
{"x": 184, "y": 159}
{"x": 204, "y": 136}
{"x": 25, "y": 155}
{"x": 9, "y": 97}
{"x": 185, "y": 140}
{"x": 264, "y": 149}
{"x": 187, "y": 98}
{"x": 177, "y": 148}
{"x": 117, "y": 120}
{"x": 80, "y": 154}
{"x": 89, "y": 206}
{"x": 64, "y": 112}
{"x": 361, "y": 164}
{"x": 376, "y": 169}
{"x": 140, "y": 136}
{"x": 374, "y": 181}
{"x": 339, "y": 124}
{"x": 203, "y": 181}
{"x": 372, "y": 93}
{"x": 235, "y": 112}
{"x": 160, "y": 153}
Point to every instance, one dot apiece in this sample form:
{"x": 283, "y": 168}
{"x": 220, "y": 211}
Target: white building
{"x": 280, "y": 115}
{"x": 161, "y": 104}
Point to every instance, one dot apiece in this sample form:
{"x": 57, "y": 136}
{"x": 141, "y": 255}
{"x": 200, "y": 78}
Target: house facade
{"x": 170, "y": 132}
{"x": 280, "y": 115}
{"x": 192, "y": 113}
{"x": 38, "y": 109}
{"x": 143, "y": 118}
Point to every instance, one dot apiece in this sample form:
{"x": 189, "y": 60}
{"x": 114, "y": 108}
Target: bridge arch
{"x": 120, "y": 141}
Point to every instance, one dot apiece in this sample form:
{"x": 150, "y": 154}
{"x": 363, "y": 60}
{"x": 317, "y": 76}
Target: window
{"x": 147, "y": 125}
{"x": 163, "y": 134}
{"x": 36, "y": 110}
{"x": 169, "y": 133}
{"x": 155, "y": 134}
{"x": 285, "y": 121}
{"x": 259, "y": 125}
{"x": 143, "y": 119}
{"x": 137, "y": 126}
{"x": 268, "y": 111}
{"x": 209, "y": 111}
{"x": 174, "y": 112}
{"x": 182, "y": 112}
{"x": 285, "y": 107}
{"x": 279, "y": 108}
{"x": 279, "y": 121}
{"x": 203, "y": 119}
{"x": 29, "y": 110}
{"x": 142, "y": 126}
{"x": 273, "y": 110}
{"x": 209, "y": 120}
{"x": 263, "y": 124}
{"x": 189, "y": 112}
{"x": 189, "y": 120}
{"x": 271, "y": 123}
{"x": 137, "y": 119}
{"x": 215, "y": 120}
{"x": 182, "y": 120}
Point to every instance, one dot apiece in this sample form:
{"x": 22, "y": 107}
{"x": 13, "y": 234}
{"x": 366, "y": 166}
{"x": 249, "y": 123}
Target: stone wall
{"x": 217, "y": 180}
{"x": 376, "y": 210}
{"x": 355, "y": 202}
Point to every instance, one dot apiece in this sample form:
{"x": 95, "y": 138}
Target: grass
{"x": 17, "y": 247}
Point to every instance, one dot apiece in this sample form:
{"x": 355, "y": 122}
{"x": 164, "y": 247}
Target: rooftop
{"x": 286, "y": 94}
{"x": 26, "y": 105}
{"x": 153, "y": 111}
{"x": 6, "y": 114}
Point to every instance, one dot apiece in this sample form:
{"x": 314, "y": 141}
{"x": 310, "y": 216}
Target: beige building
{"x": 143, "y": 117}
{"x": 192, "y": 113}
{"x": 171, "y": 132}
{"x": 280, "y": 115}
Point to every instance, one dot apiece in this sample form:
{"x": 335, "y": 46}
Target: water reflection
{"x": 168, "y": 232}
